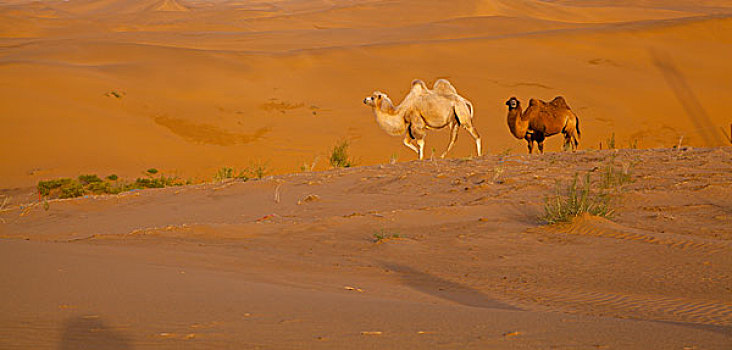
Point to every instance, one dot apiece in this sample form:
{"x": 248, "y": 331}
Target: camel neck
{"x": 516, "y": 123}
{"x": 390, "y": 120}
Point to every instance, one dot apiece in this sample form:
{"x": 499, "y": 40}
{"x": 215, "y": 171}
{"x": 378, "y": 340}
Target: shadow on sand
{"x": 685, "y": 95}
{"x": 444, "y": 289}
{"x": 91, "y": 333}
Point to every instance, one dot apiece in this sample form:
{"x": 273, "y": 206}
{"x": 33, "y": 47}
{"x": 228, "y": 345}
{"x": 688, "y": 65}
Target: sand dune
{"x": 188, "y": 87}
{"x": 215, "y": 66}
{"x": 232, "y": 264}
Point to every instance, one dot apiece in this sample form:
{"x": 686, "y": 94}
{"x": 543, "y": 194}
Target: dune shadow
{"x": 444, "y": 289}
{"x": 685, "y": 95}
{"x": 91, "y": 333}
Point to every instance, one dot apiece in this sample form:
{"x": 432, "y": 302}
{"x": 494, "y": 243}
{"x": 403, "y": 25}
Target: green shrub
{"x": 90, "y": 183}
{"x": 224, "y": 173}
{"x": 258, "y": 169}
{"x": 71, "y": 190}
{"x": 613, "y": 177}
{"x": 99, "y": 187}
{"x": 45, "y": 187}
{"x": 339, "y": 156}
{"x": 383, "y": 235}
{"x": 611, "y": 142}
{"x": 89, "y": 179}
{"x": 574, "y": 200}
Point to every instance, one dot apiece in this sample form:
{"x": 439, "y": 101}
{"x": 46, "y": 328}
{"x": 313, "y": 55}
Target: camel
{"x": 542, "y": 120}
{"x": 424, "y": 109}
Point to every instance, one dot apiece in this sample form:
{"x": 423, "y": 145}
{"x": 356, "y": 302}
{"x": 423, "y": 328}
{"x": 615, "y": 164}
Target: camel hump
{"x": 535, "y": 102}
{"x": 419, "y": 82}
{"x": 560, "y": 102}
{"x": 443, "y": 87}
{"x": 418, "y": 87}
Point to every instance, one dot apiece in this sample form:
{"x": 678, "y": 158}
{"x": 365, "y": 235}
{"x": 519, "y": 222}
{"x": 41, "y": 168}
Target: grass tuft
{"x": 613, "y": 177}
{"x": 258, "y": 169}
{"x": 611, "y": 141}
{"x": 223, "y": 174}
{"x": 339, "y": 156}
{"x": 89, "y": 179}
{"x": 576, "y": 199}
{"x": 382, "y": 236}
{"x": 92, "y": 184}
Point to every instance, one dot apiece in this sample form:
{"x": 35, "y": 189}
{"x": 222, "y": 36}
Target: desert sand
{"x": 190, "y": 86}
{"x": 416, "y": 254}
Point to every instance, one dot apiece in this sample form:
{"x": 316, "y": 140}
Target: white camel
{"x": 424, "y": 109}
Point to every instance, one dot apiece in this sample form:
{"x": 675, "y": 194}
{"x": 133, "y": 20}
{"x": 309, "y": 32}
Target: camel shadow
{"x": 444, "y": 289}
{"x": 91, "y": 333}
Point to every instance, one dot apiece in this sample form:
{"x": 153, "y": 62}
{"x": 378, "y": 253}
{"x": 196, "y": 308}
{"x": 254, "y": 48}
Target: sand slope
{"x": 291, "y": 261}
{"x": 201, "y": 85}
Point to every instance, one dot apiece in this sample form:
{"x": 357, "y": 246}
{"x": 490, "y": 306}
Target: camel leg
{"x": 420, "y": 143}
{"x": 474, "y": 133}
{"x": 539, "y": 137}
{"x": 408, "y": 143}
{"x": 573, "y": 140}
{"x": 419, "y": 133}
{"x": 570, "y": 138}
{"x": 530, "y": 142}
{"x": 567, "y": 142}
{"x": 454, "y": 127}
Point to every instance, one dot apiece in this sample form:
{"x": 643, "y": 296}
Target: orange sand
{"x": 293, "y": 261}
{"x": 222, "y": 83}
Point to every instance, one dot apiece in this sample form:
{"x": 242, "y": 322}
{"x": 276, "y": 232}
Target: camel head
{"x": 513, "y": 103}
{"x": 376, "y": 99}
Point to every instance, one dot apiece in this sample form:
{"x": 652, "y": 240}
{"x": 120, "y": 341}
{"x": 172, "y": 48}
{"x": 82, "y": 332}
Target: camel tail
{"x": 470, "y": 108}
{"x": 576, "y": 126}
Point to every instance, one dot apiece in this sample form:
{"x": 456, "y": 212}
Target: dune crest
{"x": 220, "y": 63}
{"x": 170, "y": 5}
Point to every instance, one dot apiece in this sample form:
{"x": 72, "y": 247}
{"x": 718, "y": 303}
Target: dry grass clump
{"x": 339, "y": 157}
{"x": 383, "y": 236}
{"x": 93, "y": 184}
{"x": 576, "y": 199}
{"x": 579, "y": 197}
{"x": 257, "y": 169}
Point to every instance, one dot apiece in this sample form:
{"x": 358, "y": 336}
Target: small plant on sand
{"x": 614, "y": 177}
{"x": 576, "y": 199}
{"x": 71, "y": 190}
{"x": 223, "y": 174}
{"x": 339, "y": 156}
{"x": 382, "y": 236}
{"x": 45, "y": 187}
{"x": 305, "y": 167}
{"x": 90, "y": 183}
{"x": 151, "y": 171}
{"x": 89, "y": 179}
{"x": 611, "y": 141}
{"x": 258, "y": 169}
{"x": 394, "y": 158}
{"x": 155, "y": 182}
